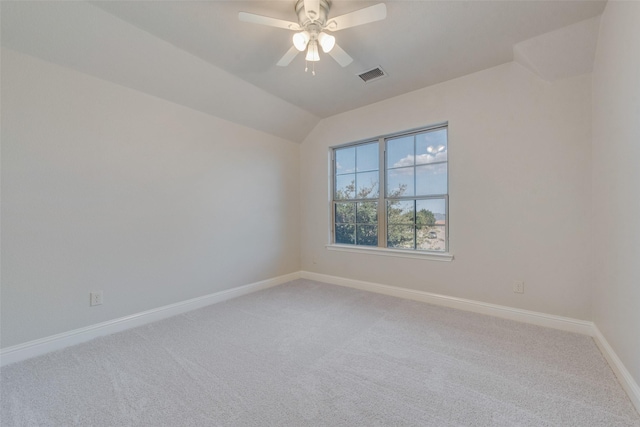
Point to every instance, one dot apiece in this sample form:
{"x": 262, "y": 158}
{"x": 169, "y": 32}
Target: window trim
{"x": 392, "y": 252}
{"x": 382, "y": 200}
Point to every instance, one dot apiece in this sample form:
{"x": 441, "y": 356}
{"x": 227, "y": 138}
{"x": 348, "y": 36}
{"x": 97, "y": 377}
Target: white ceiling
{"x": 150, "y": 45}
{"x": 562, "y": 53}
{"x": 419, "y": 44}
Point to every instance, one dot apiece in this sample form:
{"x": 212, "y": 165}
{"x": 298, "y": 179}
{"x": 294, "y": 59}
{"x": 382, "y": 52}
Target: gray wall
{"x": 105, "y": 188}
{"x": 616, "y": 178}
{"x": 520, "y": 190}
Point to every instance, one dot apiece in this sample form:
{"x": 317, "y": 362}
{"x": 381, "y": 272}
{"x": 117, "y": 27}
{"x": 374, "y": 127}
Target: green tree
{"x": 357, "y": 222}
{"x": 425, "y": 217}
{"x": 400, "y": 220}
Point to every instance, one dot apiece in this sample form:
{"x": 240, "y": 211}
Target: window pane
{"x": 430, "y": 212}
{"x": 367, "y": 213}
{"x": 367, "y": 157}
{"x": 431, "y": 147}
{"x": 431, "y": 179}
{"x": 346, "y": 234}
{"x": 400, "y": 236}
{"x": 400, "y": 182}
{"x": 345, "y": 213}
{"x": 345, "y": 186}
{"x": 400, "y": 152}
{"x": 415, "y": 191}
{"x": 367, "y": 185}
{"x": 367, "y": 235}
{"x": 400, "y": 212}
{"x": 431, "y": 238}
{"x": 345, "y": 160}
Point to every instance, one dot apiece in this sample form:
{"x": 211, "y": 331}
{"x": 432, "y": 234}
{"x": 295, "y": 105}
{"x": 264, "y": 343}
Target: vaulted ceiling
{"x": 198, "y": 54}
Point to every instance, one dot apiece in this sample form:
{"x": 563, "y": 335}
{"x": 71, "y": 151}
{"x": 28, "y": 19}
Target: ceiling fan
{"x": 313, "y": 20}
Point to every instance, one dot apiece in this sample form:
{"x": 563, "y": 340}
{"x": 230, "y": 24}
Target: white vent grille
{"x": 373, "y": 74}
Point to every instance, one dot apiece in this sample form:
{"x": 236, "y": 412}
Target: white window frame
{"x": 382, "y": 249}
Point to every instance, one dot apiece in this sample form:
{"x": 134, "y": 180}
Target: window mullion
{"x": 333, "y": 196}
{"x": 382, "y": 193}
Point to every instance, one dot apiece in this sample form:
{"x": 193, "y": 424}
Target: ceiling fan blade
{"x": 265, "y": 20}
{"x": 288, "y": 57}
{"x": 340, "y": 56}
{"x": 312, "y": 9}
{"x": 374, "y": 13}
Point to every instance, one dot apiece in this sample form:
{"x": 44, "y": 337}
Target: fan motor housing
{"x": 304, "y": 20}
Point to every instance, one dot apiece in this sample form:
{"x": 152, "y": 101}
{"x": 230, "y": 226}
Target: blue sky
{"x": 410, "y": 161}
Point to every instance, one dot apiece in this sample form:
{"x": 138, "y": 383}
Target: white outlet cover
{"x": 518, "y": 287}
{"x": 95, "y": 298}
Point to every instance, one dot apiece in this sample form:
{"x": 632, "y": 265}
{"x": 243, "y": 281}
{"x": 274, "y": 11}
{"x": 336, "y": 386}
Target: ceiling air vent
{"x": 373, "y": 74}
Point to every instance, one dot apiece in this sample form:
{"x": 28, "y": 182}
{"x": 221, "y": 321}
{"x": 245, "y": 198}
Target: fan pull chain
{"x": 313, "y": 67}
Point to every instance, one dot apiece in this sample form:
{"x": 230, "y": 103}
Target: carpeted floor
{"x": 311, "y": 354}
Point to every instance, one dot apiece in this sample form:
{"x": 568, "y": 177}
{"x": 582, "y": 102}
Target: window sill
{"x": 399, "y": 253}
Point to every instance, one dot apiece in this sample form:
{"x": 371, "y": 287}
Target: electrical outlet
{"x": 95, "y": 298}
{"x": 518, "y": 287}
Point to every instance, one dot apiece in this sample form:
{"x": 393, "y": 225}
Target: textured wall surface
{"x": 519, "y": 186}
{"x": 616, "y": 150}
{"x": 106, "y": 188}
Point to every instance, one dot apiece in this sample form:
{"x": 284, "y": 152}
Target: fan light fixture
{"x": 326, "y": 41}
{"x": 303, "y": 40}
{"x": 312, "y": 52}
{"x": 300, "y": 40}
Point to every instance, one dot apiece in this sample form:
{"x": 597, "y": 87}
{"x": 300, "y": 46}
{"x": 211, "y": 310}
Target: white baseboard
{"x": 624, "y": 376}
{"x": 526, "y": 316}
{"x": 41, "y": 346}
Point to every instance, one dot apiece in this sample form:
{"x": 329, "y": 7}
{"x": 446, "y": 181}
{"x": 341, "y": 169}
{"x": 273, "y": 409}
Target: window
{"x": 392, "y": 192}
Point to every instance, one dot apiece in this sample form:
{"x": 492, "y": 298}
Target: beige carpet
{"x": 311, "y": 354}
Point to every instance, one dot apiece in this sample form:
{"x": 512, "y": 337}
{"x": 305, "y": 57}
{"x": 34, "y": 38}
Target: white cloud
{"x": 340, "y": 170}
{"x": 421, "y": 159}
